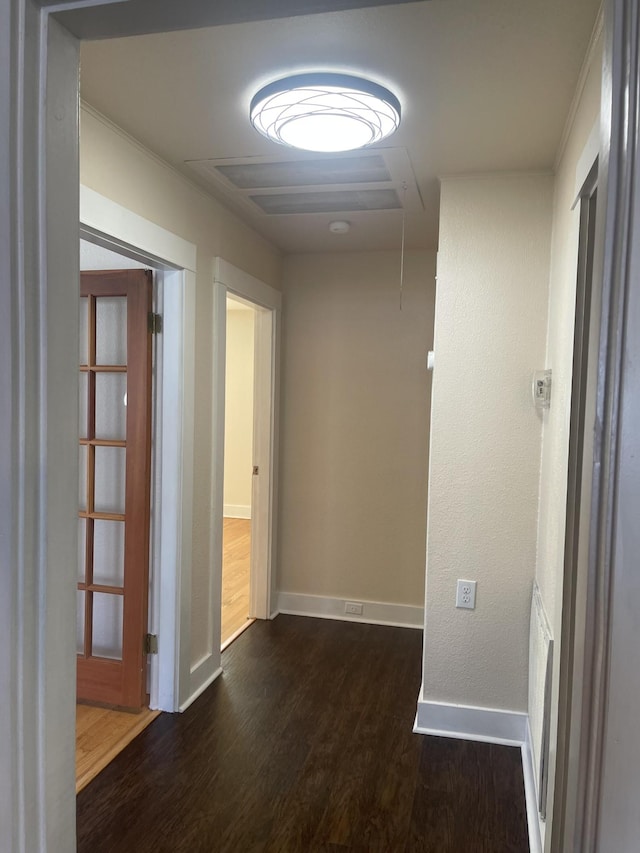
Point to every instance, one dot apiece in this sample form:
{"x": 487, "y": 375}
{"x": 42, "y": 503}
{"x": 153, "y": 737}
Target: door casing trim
{"x": 114, "y": 226}
{"x": 267, "y": 301}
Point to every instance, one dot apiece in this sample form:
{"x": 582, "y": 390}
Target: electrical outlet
{"x": 466, "y": 594}
{"x": 353, "y": 607}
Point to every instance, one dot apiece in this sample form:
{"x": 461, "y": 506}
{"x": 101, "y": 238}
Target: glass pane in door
{"x": 82, "y": 479}
{"x": 83, "y": 404}
{"x": 111, "y": 330}
{"x": 111, "y": 406}
{"x": 107, "y": 625}
{"x": 80, "y": 622}
{"x": 84, "y": 330}
{"x": 110, "y": 479}
{"x": 108, "y": 553}
{"x": 82, "y": 553}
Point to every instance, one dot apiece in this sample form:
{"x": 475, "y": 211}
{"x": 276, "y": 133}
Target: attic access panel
{"x": 263, "y": 187}
{"x": 327, "y": 202}
{"x": 366, "y": 169}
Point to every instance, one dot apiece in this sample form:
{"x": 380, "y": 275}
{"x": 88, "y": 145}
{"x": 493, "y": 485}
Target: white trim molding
{"x": 587, "y": 158}
{"x": 237, "y": 511}
{"x": 594, "y": 43}
{"x": 490, "y": 725}
{"x": 245, "y": 285}
{"x": 373, "y": 612}
{"x": 202, "y": 676}
{"x": 38, "y": 424}
{"x": 104, "y": 216}
{"x": 228, "y": 279}
{"x": 535, "y": 823}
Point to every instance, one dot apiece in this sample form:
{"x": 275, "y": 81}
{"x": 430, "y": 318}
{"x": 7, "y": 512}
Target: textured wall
{"x": 238, "y": 432}
{"x": 115, "y": 166}
{"x": 355, "y": 426}
{"x": 491, "y": 311}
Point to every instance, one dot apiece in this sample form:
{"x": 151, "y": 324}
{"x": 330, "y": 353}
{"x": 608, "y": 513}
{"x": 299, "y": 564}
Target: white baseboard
{"x": 373, "y": 612}
{"x": 236, "y": 511}
{"x": 202, "y": 675}
{"x": 490, "y": 725}
{"x": 468, "y": 723}
{"x": 534, "y": 821}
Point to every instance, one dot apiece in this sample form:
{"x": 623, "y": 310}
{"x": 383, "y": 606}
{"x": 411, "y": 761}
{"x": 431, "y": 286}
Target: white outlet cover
{"x": 466, "y": 595}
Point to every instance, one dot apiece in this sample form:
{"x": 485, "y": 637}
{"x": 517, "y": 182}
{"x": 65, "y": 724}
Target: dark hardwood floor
{"x": 305, "y": 744}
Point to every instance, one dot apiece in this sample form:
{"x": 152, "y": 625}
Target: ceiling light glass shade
{"x": 325, "y": 112}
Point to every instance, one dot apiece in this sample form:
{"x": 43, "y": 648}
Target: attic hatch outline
{"x": 291, "y": 183}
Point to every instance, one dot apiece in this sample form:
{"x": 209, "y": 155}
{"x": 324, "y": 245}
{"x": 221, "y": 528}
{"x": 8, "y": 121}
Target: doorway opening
{"x": 238, "y": 469}
{"x": 246, "y": 324}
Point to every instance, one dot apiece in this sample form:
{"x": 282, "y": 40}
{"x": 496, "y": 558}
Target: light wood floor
{"x": 235, "y": 575}
{"x": 101, "y": 733}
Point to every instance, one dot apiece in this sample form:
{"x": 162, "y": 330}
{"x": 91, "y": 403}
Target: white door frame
{"x": 228, "y": 279}
{"x": 117, "y": 228}
{"x": 600, "y": 808}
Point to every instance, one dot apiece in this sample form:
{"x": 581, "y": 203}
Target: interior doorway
{"x": 246, "y": 313}
{"x": 238, "y": 468}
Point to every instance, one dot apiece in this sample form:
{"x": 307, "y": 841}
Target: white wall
{"x": 491, "y": 311}
{"x": 355, "y": 426}
{"x": 574, "y": 164}
{"x": 238, "y": 431}
{"x": 116, "y": 166}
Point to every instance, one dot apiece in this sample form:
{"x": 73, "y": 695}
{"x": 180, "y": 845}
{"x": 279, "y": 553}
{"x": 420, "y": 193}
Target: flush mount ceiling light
{"x": 325, "y": 112}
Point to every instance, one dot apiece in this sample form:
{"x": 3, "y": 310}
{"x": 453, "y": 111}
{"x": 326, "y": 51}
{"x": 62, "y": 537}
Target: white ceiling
{"x": 485, "y": 85}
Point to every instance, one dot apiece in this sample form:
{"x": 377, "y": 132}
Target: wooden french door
{"x": 114, "y": 494}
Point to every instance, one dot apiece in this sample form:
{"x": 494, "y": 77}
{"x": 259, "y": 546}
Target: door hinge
{"x": 151, "y": 644}
{"x": 154, "y": 323}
